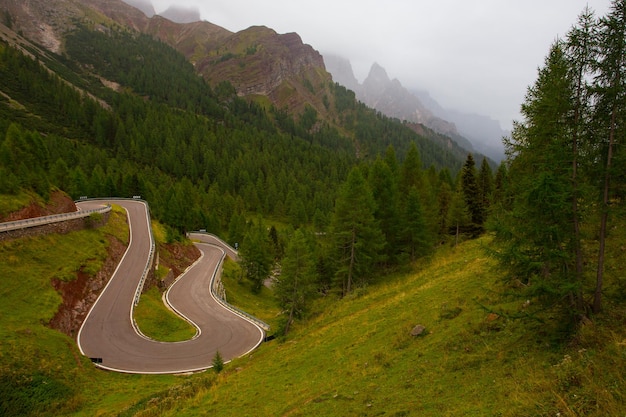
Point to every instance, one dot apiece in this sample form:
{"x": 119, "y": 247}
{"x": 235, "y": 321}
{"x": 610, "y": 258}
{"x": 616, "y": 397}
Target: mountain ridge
{"x": 390, "y": 97}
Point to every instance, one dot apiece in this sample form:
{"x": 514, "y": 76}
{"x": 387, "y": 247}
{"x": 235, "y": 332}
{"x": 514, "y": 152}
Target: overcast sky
{"x": 477, "y": 56}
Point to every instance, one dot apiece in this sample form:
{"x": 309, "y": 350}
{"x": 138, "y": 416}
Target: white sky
{"x": 477, "y": 56}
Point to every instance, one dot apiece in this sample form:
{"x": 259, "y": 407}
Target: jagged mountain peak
{"x": 377, "y": 73}
{"x": 391, "y": 98}
{"x": 342, "y": 71}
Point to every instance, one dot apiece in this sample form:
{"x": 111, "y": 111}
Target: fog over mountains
{"x": 175, "y": 13}
{"x": 471, "y": 131}
{"x": 390, "y": 97}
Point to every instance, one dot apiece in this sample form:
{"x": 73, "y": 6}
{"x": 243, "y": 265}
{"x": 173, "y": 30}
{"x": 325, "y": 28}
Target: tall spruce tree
{"x": 610, "y": 87}
{"x": 458, "y": 215}
{"x": 485, "y": 186}
{"x": 384, "y": 188}
{"x": 471, "y": 191}
{"x": 580, "y": 48}
{"x": 356, "y": 235}
{"x": 538, "y": 240}
{"x": 257, "y": 254}
{"x": 296, "y": 283}
{"x": 415, "y": 233}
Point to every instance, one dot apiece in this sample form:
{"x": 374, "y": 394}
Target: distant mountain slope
{"x": 390, "y": 97}
{"x": 484, "y": 132}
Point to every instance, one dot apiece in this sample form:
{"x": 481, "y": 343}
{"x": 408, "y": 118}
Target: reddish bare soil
{"x": 178, "y": 257}
{"x": 59, "y": 203}
{"x": 80, "y": 293}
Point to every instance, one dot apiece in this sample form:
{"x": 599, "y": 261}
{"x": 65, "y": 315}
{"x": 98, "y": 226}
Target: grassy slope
{"x": 356, "y": 357}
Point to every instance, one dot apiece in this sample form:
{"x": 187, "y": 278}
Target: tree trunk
{"x": 352, "y": 260}
{"x": 578, "y": 297}
{"x": 597, "y": 298}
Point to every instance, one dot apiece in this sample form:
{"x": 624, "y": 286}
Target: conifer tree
{"x": 356, "y": 235}
{"x": 539, "y": 239}
{"x": 471, "y": 191}
{"x": 581, "y": 48}
{"x": 458, "y": 216}
{"x": 485, "y": 186}
{"x": 385, "y": 192}
{"x": 257, "y": 255}
{"x": 415, "y": 234}
{"x": 610, "y": 113}
{"x": 411, "y": 171}
{"x": 296, "y": 283}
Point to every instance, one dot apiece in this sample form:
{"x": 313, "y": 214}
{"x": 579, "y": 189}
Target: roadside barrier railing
{"x": 55, "y": 218}
{"x": 217, "y": 288}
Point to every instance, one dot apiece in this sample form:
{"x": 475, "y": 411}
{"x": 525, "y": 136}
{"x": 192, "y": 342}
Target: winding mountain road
{"x": 108, "y": 332}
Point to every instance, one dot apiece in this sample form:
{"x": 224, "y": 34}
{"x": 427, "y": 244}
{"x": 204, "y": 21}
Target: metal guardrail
{"x": 55, "y": 218}
{"x": 217, "y": 288}
{"x": 146, "y": 270}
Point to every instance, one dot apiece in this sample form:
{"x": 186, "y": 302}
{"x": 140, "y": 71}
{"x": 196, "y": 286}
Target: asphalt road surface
{"x": 108, "y": 332}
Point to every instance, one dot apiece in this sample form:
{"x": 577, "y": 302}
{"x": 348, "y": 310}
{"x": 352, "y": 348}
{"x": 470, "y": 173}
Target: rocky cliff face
{"x": 258, "y": 61}
{"x": 341, "y": 70}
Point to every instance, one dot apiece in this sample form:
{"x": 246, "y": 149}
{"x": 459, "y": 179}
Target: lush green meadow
{"x": 356, "y": 356}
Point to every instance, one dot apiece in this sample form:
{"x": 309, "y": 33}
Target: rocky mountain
{"x": 390, "y": 97}
{"x": 257, "y": 61}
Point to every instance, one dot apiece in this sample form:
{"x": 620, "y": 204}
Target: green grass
{"x": 11, "y": 203}
{"x": 158, "y": 322}
{"x": 238, "y": 293}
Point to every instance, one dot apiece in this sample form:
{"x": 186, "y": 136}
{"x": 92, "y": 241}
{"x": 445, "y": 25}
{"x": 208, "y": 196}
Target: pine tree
{"x": 257, "y": 255}
{"x": 415, "y": 234}
{"x": 485, "y": 186}
{"x": 296, "y": 283}
{"x": 356, "y": 235}
{"x": 218, "y": 362}
{"x": 610, "y": 113}
{"x": 471, "y": 191}
{"x": 580, "y": 47}
{"x": 411, "y": 171}
{"x": 538, "y": 239}
{"x": 458, "y": 216}
{"x": 385, "y": 191}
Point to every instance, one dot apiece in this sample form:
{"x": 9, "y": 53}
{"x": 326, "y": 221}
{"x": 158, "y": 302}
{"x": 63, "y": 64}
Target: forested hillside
{"x": 159, "y": 131}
